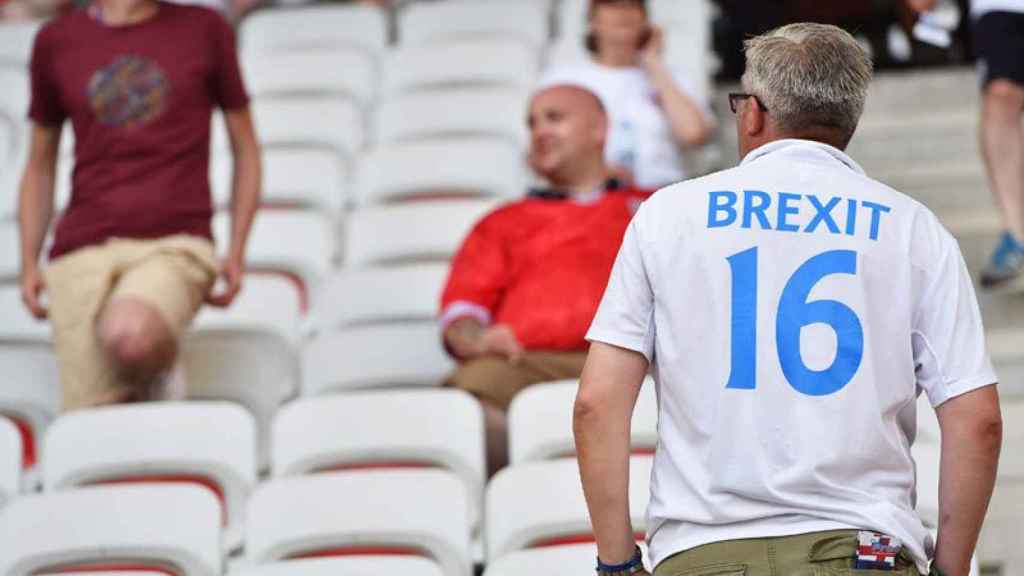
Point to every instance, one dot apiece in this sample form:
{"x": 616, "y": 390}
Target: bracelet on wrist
{"x": 632, "y": 566}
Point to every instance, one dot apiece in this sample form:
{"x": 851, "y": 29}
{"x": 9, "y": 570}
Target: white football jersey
{"x": 792, "y": 308}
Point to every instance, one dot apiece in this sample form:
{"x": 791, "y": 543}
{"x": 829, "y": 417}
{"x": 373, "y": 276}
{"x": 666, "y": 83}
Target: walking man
{"x": 791, "y": 309}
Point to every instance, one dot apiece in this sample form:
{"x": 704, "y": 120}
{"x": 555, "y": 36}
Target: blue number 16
{"x": 794, "y": 313}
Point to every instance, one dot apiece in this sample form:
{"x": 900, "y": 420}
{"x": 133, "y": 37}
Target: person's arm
{"x": 602, "y": 413}
{"x": 971, "y": 426}
{"x": 690, "y": 125}
{"x": 922, "y": 5}
{"x": 245, "y": 200}
{"x": 35, "y": 209}
{"x": 468, "y": 338}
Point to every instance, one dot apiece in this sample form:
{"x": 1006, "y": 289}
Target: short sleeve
{"x": 479, "y": 272}
{"x": 44, "y": 105}
{"x": 625, "y": 317}
{"x": 948, "y": 340}
{"x": 228, "y": 86}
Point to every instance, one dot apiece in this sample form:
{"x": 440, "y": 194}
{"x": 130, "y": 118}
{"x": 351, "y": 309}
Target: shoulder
{"x": 205, "y": 16}
{"x": 510, "y": 212}
{"x": 59, "y": 28}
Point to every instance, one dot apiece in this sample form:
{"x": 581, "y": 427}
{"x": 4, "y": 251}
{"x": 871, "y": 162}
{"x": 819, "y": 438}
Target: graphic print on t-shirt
{"x": 129, "y": 92}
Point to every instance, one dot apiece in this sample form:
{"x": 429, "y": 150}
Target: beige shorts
{"x": 496, "y": 380}
{"x": 171, "y": 274}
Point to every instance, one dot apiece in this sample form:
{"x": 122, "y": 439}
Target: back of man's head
{"x": 810, "y": 77}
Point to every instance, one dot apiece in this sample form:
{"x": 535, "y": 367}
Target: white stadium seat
{"x": 438, "y": 428}
{"x": 454, "y": 20}
{"x": 148, "y": 527}
{"x": 540, "y": 421}
{"x": 310, "y": 122}
{"x": 16, "y": 324}
{"x": 295, "y": 242}
{"x": 339, "y": 73}
{"x": 355, "y": 566}
{"x": 30, "y": 391}
{"x": 16, "y": 40}
{"x": 425, "y": 512}
{"x": 441, "y": 167}
{"x": 304, "y": 178}
{"x": 314, "y": 28}
{"x": 14, "y": 98}
{"x": 212, "y": 444}
{"x": 385, "y": 356}
{"x": 258, "y": 371}
{"x": 572, "y": 19}
{"x": 465, "y": 63}
{"x": 550, "y": 561}
{"x": 540, "y": 503}
{"x": 693, "y": 17}
{"x": 267, "y": 303}
{"x": 10, "y": 461}
{"x": 455, "y": 112}
{"x": 10, "y": 252}
{"x": 408, "y": 293}
{"x": 408, "y": 232}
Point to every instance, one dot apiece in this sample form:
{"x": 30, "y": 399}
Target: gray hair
{"x": 809, "y": 76}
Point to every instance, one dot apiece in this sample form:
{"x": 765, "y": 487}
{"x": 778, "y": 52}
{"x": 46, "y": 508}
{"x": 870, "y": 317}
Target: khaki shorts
{"x": 171, "y": 274}
{"x": 496, "y": 380}
{"x": 828, "y": 553}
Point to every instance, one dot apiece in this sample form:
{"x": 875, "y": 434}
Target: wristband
{"x": 631, "y": 566}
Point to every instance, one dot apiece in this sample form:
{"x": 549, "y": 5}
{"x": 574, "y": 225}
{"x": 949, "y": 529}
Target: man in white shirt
{"x": 791, "y": 309}
{"x": 998, "y": 30}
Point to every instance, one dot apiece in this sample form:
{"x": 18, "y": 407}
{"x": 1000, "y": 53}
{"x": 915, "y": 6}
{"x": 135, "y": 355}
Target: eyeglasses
{"x": 735, "y": 97}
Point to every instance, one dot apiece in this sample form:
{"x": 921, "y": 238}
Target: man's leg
{"x": 78, "y": 284}
{"x": 138, "y": 342}
{"x": 1002, "y": 144}
{"x": 495, "y": 381}
{"x": 152, "y": 303}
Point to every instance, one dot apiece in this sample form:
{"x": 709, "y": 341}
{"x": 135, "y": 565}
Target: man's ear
{"x": 754, "y": 119}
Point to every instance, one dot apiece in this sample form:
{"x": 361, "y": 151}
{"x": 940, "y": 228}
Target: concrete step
{"x": 896, "y": 142}
{"x": 923, "y": 90}
{"x": 1007, "y": 350}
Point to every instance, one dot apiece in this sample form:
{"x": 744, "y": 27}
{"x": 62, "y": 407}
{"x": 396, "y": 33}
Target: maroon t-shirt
{"x": 140, "y": 99}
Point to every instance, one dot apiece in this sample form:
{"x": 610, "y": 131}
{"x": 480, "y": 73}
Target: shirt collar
{"x": 806, "y": 149}
{"x": 592, "y": 197}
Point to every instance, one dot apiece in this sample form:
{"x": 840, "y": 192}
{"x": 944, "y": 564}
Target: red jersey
{"x": 140, "y": 99}
{"x": 540, "y": 266}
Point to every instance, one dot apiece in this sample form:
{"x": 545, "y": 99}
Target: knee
{"x": 1004, "y": 95}
{"x": 132, "y": 334}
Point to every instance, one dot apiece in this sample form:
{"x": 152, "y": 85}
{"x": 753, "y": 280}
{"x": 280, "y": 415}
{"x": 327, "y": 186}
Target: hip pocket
{"x": 712, "y": 570}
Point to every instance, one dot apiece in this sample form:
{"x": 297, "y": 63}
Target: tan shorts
{"x": 171, "y": 274}
{"x": 496, "y": 380}
{"x": 829, "y": 553}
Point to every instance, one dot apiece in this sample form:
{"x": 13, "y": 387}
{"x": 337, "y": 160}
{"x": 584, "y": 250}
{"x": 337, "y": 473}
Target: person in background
{"x": 653, "y": 111}
{"x": 525, "y": 283}
{"x": 792, "y": 310}
{"x": 999, "y": 42}
{"x": 132, "y": 258}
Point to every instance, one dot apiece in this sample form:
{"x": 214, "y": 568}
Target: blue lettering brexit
{"x": 788, "y": 212}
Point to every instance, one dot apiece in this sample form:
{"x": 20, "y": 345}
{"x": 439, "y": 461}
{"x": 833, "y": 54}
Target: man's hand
{"x": 32, "y": 287}
{"x": 502, "y": 341}
{"x": 231, "y": 271}
{"x": 920, "y": 6}
{"x": 470, "y": 338}
{"x": 651, "y": 54}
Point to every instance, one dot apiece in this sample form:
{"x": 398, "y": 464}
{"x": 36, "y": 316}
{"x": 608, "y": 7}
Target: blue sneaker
{"x": 1007, "y": 263}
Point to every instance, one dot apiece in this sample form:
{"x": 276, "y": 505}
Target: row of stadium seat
{"x": 338, "y": 493}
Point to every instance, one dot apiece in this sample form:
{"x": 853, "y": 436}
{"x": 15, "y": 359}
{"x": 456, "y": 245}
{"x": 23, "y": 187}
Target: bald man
{"x": 527, "y": 281}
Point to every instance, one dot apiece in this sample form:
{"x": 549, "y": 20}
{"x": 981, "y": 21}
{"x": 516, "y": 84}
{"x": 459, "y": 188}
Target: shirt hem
{"x": 620, "y": 340}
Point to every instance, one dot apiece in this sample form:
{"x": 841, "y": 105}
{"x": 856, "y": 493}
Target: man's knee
{"x": 134, "y": 334}
{"x": 1004, "y": 94}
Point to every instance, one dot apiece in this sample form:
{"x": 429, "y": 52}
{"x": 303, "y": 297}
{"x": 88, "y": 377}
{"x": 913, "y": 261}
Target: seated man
{"x": 527, "y": 281}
